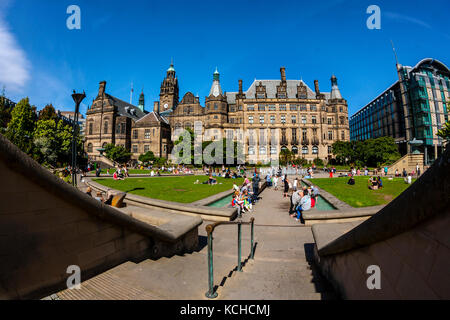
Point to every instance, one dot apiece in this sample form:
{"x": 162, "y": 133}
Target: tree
{"x": 20, "y": 128}
{"x": 285, "y": 156}
{"x": 5, "y": 113}
{"x": 371, "y": 152}
{"x": 147, "y": 157}
{"x": 48, "y": 113}
{"x": 444, "y": 132}
{"x": 380, "y": 151}
{"x": 117, "y": 153}
{"x": 46, "y": 144}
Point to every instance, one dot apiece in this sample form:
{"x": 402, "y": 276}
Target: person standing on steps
{"x": 286, "y": 186}
{"x": 255, "y": 184}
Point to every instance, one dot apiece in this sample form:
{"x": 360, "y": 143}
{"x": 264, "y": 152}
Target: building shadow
{"x": 321, "y": 284}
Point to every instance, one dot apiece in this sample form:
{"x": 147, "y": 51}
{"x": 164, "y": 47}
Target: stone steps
{"x": 282, "y": 267}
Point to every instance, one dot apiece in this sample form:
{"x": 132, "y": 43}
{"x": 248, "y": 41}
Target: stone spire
{"x": 335, "y": 93}
{"x": 141, "y": 104}
{"x": 216, "y": 90}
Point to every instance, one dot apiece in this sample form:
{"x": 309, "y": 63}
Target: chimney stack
{"x": 101, "y": 88}
{"x": 283, "y": 74}
{"x": 240, "y": 86}
{"x": 156, "y": 107}
{"x": 316, "y": 86}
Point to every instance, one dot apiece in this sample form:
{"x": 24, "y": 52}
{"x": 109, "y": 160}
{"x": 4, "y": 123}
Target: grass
{"x": 178, "y": 189}
{"x": 359, "y": 195}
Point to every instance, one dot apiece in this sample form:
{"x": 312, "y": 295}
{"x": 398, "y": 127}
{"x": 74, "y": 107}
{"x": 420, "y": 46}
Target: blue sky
{"x": 133, "y": 41}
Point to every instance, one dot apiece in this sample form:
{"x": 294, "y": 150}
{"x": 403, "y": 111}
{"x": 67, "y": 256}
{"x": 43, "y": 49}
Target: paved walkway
{"x": 282, "y": 267}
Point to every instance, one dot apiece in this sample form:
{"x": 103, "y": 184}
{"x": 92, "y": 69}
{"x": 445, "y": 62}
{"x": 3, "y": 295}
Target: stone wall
{"x": 409, "y": 240}
{"x": 409, "y": 162}
{"x": 47, "y": 225}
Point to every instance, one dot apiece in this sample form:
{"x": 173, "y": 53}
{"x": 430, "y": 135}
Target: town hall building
{"x": 304, "y": 121}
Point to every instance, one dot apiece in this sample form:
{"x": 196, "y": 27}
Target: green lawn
{"x": 178, "y": 189}
{"x": 359, "y": 195}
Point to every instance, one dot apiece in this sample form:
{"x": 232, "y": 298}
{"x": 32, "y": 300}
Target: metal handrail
{"x": 210, "y": 229}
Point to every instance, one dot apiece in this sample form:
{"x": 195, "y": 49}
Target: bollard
{"x": 239, "y": 247}
{"x": 210, "y": 294}
{"x": 251, "y": 241}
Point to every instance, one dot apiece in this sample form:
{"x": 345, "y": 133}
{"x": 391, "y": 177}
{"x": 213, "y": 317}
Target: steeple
{"x": 216, "y": 90}
{"x": 335, "y": 93}
{"x": 141, "y": 104}
{"x": 171, "y": 70}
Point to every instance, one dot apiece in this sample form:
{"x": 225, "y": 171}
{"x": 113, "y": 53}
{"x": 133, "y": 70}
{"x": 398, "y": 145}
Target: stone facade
{"x": 303, "y": 121}
{"x": 270, "y": 116}
{"x": 111, "y": 120}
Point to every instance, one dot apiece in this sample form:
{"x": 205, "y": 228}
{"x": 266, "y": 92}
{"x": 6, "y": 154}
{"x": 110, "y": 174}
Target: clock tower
{"x": 168, "y": 96}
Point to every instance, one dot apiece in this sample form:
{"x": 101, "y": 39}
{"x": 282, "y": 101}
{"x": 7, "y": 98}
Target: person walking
{"x": 255, "y": 184}
{"x": 286, "y": 186}
{"x": 294, "y": 185}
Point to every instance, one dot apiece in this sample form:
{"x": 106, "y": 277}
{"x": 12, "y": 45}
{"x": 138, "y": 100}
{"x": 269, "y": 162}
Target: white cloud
{"x": 14, "y": 66}
{"x": 401, "y": 17}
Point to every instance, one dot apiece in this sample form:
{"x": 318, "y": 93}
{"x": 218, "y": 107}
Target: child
{"x": 245, "y": 198}
{"x": 235, "y": 203}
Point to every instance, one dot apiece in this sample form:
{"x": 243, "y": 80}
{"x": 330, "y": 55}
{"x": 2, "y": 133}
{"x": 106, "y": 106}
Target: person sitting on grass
{"x": 408, "y": 179}
{"x": 351, "y": 181}
{"x": 379, "y": 183}
{"x": 373, "y": 183}
{"x": 211, "y": 180}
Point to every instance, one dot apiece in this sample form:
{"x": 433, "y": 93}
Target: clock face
{"x": 166, "y": 106}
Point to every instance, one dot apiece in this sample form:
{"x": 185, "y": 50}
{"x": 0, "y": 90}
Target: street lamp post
{"x": 77, "y": 97}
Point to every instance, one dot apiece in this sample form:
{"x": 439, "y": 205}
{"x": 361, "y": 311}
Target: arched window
{"x": 294, "y": 150}
{"x": 105, "y": 127}
{"x": 315, "y": 150}
{"x": 89, "y": 147}
{"x": 305, "y": 150}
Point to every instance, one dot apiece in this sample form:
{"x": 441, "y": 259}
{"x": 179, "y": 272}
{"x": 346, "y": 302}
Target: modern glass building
{"x": 414, "y": 107}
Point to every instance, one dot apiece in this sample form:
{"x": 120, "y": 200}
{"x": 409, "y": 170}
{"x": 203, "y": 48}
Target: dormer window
{"x": 260, "y": 96}
{"x": 282, "y": 95}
